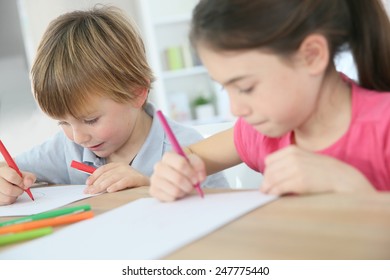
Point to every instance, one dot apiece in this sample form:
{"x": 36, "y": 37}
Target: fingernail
{"x": 28, "y": 183}
{"x": 194, "y": 180}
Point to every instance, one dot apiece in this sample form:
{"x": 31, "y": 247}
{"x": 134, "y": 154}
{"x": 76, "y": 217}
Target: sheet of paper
{"x": 143, "y": 229}
{"x": 46, "y": 198}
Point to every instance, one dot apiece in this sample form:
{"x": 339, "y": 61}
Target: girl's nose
{"x": 238, "y": 107}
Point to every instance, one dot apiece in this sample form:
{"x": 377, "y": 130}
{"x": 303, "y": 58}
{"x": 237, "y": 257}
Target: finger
{"x": 28, "y": 179}
{"x": 7, "y": 200}
{"x": 133, "y": 180}
{"x": 182, "y": 165}
{"x": 100, "y": 185}
{"x": 161, "y": 195}
{"x": 97, "y": 173}
{"x": 174, "y": 177}
{"x": 164, "y": 190}
{"x": 198, "y": 164}
{"x": 277, "y": 182}
{"x": 9, "y": 192}
{"x": 275, "y": 173}
{"x": 282, "y": 154}
{"x": 12, "y": 177}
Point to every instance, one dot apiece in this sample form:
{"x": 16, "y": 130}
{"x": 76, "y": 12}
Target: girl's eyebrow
{"x": 233, "y": 80}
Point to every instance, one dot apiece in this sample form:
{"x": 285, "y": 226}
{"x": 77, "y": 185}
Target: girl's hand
{"x": 294, "y": 170}
{"x": 12, "y": 185}
{"x": 174, "y": 176}
{"x": 114, "y": 177}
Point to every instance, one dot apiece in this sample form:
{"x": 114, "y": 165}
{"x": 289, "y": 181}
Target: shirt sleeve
{"x": 46, "y": 161}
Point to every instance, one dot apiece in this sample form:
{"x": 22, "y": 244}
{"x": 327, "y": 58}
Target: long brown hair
{"x": 82, "y": 53}
{"x": 282, "y": 25}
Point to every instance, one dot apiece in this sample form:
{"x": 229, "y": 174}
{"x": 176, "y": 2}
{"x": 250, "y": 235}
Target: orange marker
{"x": 61, "y": 220}
{"x": 13, "y": 165}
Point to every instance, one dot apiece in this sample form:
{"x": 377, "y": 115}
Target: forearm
{"x": 218, "y": 151}
{"x": 353, "y": 181}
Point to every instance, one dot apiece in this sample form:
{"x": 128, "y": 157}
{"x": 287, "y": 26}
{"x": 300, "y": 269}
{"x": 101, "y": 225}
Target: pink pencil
{"x": 11, "y": 163}
{"x": 175, "y": 143}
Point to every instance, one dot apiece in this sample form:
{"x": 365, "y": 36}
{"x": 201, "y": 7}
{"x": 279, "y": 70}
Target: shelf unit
{"x": 165, "y": 25}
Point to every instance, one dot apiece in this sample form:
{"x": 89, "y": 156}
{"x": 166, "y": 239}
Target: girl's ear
{"x": 314, "y": 52}
{"x": 141, "y": 96}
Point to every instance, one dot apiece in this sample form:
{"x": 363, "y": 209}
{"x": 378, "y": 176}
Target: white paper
{"x": 143, "y": 229}
{"x": 46, "y": 198}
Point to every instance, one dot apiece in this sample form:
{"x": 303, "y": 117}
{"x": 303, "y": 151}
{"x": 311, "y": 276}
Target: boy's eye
{"x": 91, "y": 121}
{"x": 60, "y": 123}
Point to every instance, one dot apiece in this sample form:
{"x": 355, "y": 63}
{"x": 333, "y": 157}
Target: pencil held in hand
{"x": 11, "y": 163}
{"x": 175, "y": 144}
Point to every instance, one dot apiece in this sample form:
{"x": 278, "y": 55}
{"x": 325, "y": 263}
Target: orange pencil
{"x": 61, "y": 220}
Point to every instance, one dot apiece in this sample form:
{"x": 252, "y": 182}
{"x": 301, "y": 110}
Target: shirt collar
{"x": 150, "y": 152}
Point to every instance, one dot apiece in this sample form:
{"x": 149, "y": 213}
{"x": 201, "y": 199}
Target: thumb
{"x": 28, "y": 179}
{"x": 199, "y": 166}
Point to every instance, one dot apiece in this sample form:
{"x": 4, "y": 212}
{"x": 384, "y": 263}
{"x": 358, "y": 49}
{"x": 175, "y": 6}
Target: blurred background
{"x": 183, "y": 89}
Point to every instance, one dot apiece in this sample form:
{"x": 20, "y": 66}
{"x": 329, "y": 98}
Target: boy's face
{"x": 104, "y": 128}
{"x": 271, "y": 95}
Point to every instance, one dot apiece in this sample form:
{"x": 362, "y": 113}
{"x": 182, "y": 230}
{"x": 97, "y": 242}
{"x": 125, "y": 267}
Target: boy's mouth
{"x": 96, "y": 147}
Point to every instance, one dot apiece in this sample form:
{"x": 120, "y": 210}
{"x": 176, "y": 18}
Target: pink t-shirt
{"x": 366, "y": 144}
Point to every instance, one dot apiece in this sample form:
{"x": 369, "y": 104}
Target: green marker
{"x": 25, "y": 235}
{"x": 48, "y": 214}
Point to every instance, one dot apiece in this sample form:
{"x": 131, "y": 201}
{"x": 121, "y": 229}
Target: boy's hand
{"x": 12, "y": 185}
{"x": 174, "y": 177}
{"x": 294, "y": 170}
{"x": 113, "y": 177}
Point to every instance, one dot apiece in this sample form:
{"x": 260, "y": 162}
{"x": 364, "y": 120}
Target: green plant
{"x": 201, "y": 100}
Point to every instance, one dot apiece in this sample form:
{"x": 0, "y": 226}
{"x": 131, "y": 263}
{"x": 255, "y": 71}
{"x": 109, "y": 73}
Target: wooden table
{"x": 327, "y": 226}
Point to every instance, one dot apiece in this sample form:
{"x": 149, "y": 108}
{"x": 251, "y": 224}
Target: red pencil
{"x": 82, "y": 167}
{"x": 11, "y": 163}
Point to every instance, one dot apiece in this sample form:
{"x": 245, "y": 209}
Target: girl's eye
{"x": 90, "y": 122}
{"x": 245, "y": 90}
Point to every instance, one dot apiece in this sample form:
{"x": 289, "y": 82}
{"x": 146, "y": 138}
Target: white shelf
{"x": 173, "y": 19}
{"x": 185, "y": 72}
{"x": 211, "y": 120}
{"x": 165, "y": 24}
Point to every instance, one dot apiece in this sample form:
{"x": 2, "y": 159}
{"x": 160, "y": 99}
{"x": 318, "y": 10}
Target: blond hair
{"x": 82, "y": 53}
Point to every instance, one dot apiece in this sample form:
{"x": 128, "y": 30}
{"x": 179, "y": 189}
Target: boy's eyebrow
{"x": 87, "y": 115}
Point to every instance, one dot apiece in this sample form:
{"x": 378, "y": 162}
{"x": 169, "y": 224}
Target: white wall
{"x": 35, "y": 15}
{"x": 11, "y": 43}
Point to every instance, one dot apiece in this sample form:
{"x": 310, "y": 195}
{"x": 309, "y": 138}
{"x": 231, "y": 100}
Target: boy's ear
{"x": 314, "y": 52}
{"x": 141, "y": 96}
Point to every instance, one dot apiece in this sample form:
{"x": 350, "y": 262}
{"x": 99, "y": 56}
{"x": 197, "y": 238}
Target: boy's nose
{"x": 80, "y": 137}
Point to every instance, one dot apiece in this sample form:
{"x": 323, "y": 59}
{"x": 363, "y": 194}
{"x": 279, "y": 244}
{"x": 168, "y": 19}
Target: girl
{"x": 90, "y": 73}
{"x": 306, "y": 127}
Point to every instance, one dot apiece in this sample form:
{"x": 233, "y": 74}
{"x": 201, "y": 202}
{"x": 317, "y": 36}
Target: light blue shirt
{"x": 50, "y": 161}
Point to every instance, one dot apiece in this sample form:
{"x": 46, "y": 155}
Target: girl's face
{"x": 105, "y": 128}
{"x": 272, "y": 95}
